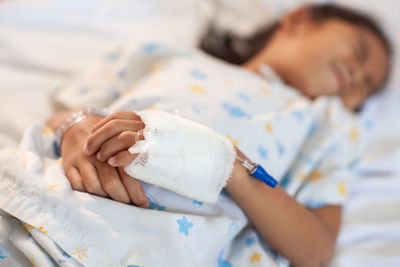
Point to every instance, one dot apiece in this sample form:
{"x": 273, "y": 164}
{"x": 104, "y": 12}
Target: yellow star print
{"x": 289, "y": 101}
{"x": 156, "y": 84}
{"x": 228, "y": 82}
{"x": 342, "y": 188}
{"x": 59, "y": 161}
{"x": 265, "y": 90}
{"x": 81, "y": 253}
{"x": 316, "y": 175}
{"x": 11, "y": 154}
{"x": 234, "y": 142}
{"x": 197, "y": 89}
{"x": 51, "y": 187}
{"x": 153, "y": 107}
{"x": 353, "y": 135}
{"x": 47, "y": 130}
{"x": 156, "y": 67}
{"x": 255, "y": 257}
{"x": 131, "y": 91}
{"x": 41, "y": 229}
{"x": 268, "y": 127}
{"x": 28, "y": 226}
{"x": 302, "y": 175}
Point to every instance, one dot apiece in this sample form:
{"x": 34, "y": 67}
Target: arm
{"x": 306, "y": 237}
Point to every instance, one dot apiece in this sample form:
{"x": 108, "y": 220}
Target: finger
{"x": 135, "y": 189}
{"x": 127, "y": 115}
{"x": 111, "y": 182}
{"x": 123, "y": 141}
{"x": 122, "y": 158}
{"x": 109, "y": 130}
{"x": 90, "y": 179}
{"x": 74, "y": 178}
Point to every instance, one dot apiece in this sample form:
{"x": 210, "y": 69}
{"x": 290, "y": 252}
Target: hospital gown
{"x": 310, "y": 147}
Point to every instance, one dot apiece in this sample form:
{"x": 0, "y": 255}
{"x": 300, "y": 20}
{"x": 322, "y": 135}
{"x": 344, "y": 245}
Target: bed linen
{"x": 40, "y": 51}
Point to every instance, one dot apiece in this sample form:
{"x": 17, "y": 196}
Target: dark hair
{"x": 236, "y": 50}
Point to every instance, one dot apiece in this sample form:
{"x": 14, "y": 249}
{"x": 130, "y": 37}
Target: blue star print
{"x": 83, "y": 91}
{"x": 312, "y": 129}
{"x": 3, "y": 253}
{"x": 232, "y": 228}
{"x": 280, "y": 147}
{"x": 285, "y": 180}
{"x": 368, "y": 124}
{"x": 195, "y": 202}
{"x": 111, "y": 93}
{"x": 112, "y": 56}
{"x": 222, "y": 262}
{"x": 184, "y": 225}
{"x": 354, "y": 164}
{"x": 198, "y": 75}
{"x": 244, "y": 97}
{"x": 235, "y": 111}
{"x": 298, "y": 115}
{"x": 121, "y": 74}
{"x": 155, "y": 206}
{"x": 249, "y": 241}
{"x": 149, "y": 48}
{"x": 198, "y": 107}
{"x": 315, "y": 204}
{"x": 310, "y": 161}
{"x": 262, "y": 152}
{"x": 66, "y": 255}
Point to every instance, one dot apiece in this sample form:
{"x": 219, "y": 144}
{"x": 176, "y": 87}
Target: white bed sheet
{"x": 44, "y": 42}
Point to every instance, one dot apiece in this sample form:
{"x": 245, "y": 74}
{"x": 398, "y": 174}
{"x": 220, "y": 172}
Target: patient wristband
{"x": 76, "y": 118}
{"x": 258, "y": 172}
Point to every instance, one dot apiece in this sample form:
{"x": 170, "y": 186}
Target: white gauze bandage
{"x": 182, "y": 156}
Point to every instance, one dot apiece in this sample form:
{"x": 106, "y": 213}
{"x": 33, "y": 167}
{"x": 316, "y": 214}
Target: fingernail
{"x": 112, "y": 161}
{"x": 98, "y": 156}
{"x": 86, "y": 149}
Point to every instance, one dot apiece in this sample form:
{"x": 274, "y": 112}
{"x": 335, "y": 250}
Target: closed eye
{"x": 362, "y": 51}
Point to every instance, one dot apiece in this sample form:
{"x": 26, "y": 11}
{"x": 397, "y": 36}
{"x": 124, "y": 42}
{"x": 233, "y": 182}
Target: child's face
{"x": 329, "y": 58}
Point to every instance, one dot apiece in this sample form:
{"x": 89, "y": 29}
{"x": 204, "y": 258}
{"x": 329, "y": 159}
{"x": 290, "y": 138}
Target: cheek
{"x": 317, "y": 76}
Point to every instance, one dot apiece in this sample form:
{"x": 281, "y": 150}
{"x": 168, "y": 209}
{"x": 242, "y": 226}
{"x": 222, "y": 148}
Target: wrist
{"x": 239, "y": 179}
{"x": 74, "y": 119}
{"x": 82, "y": 128}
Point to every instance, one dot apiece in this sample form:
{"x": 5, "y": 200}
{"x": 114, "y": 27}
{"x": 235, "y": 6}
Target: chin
{"x": 308, "y": 90}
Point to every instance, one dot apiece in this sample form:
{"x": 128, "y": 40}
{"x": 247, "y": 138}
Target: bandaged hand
{"x": 175, "y": 153}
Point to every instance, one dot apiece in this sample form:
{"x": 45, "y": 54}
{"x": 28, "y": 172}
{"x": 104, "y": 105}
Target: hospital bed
{"x": 45, "y": 42}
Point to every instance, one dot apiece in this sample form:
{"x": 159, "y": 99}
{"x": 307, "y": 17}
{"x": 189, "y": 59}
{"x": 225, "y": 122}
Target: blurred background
{"x": 43, "y": 43}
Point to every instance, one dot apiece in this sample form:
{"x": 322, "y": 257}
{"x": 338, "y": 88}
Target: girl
{"x": 318, "y": 51}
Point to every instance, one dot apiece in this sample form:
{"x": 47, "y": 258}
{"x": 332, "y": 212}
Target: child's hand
{"x": 113, "y": 136}
{"x": 87, "y": 173}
